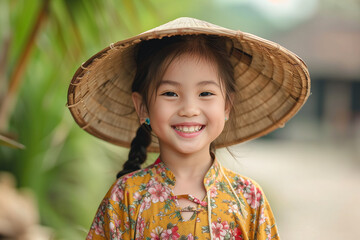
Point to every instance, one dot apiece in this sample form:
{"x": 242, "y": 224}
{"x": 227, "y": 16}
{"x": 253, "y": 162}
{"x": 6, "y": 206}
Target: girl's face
{"x": 188, "y": 110}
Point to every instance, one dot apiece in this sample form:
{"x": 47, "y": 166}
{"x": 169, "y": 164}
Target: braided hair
{"x": 138, "y": 153}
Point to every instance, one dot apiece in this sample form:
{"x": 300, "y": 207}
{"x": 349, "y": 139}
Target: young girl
{"x": 193, "y": 87}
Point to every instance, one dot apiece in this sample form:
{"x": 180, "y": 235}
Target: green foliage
{"x": 68, "y": 170}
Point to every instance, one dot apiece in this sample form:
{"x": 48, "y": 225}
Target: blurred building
{"x": 330, "y": 47}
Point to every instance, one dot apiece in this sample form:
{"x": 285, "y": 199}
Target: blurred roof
{"x": 330, "y": 46}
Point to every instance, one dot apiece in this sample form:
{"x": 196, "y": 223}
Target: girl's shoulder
{"x": 237, "y": 176}
{"x": 139, "y": 181}
{"x": 137, "y": 177}
{"x": 246, "y": 189}
{"x": 255, "y": 207}
{"x": 242, "y": 183}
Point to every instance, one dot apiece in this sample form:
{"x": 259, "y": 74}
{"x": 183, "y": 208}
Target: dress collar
{"x": 212, "y": 176}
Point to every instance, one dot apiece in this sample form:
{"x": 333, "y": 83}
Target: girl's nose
{"x": 189, "y": 108}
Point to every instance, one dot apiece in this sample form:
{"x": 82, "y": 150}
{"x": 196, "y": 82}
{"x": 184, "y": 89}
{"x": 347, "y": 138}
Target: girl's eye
{"x": 169, "y": 94}
{"x": 205, "y": 94}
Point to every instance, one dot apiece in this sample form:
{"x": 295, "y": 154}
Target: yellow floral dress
{"x": 141, "y": 205}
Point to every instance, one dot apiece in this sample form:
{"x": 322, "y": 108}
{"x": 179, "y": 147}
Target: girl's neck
{"x": 194, "y": 165}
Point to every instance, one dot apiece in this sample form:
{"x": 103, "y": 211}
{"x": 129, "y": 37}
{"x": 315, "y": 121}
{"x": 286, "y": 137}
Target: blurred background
{"x": 53, "y": 175}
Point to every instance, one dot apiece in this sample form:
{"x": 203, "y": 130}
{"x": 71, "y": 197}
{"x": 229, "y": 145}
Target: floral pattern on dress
{"x": 141, "y": 205}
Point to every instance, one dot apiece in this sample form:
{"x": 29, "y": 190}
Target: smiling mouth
{"x": 189, "y": 129}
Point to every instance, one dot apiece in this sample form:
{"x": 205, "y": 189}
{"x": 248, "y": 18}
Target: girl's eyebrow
{"x": 208, "y": 82}
{"x": 205, "y": 82}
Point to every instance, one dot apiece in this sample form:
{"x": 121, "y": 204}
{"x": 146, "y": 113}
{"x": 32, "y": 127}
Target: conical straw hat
{"x": 272, "y": 85}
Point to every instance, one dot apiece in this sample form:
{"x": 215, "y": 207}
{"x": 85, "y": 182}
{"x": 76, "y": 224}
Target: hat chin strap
{"x": 209, "y": 200}
{"x": 231, "y": 187}
{"x": 209, "y": 214}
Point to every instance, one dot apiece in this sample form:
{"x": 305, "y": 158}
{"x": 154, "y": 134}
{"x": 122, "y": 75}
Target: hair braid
{"x": 138, "y": 152}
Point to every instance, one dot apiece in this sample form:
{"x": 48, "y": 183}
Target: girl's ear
{"x": 140, "y": 106}
{"x": 229, "y": 105}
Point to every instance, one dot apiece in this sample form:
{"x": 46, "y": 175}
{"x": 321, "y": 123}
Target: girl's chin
{"x": 189, "y": 148}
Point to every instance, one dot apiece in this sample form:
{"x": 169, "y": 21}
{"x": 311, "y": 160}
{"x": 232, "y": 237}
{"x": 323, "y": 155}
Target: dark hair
{"x": 138, "y": 153}
{"x": 153, "y": 57}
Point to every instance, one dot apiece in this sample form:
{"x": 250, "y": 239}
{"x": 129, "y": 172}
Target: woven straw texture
{"x": 272, "y": 85}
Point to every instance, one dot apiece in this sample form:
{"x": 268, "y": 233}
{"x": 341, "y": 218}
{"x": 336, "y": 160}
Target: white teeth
{"x": 190, "y": 129}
